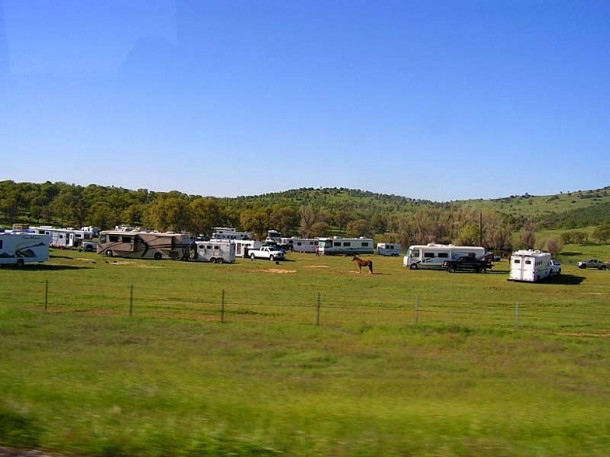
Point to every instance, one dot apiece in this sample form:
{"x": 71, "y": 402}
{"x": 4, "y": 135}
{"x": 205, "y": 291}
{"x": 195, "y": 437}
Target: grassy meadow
{"x": 120, "y": 357}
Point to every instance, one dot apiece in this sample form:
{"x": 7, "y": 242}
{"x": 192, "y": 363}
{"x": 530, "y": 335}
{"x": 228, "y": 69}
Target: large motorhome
{"x": 530, "y": 266}
{"x": 345, "y": 246}
{"x": 21, "y": 248}
{"x": 389, "y": 249}
{"x": 144, "y": 245}
{"x": 432, "y": 255}
{"x": 230, "y": 233}
{"x": 213, "y": 251}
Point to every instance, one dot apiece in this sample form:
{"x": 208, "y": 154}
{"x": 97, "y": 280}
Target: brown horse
{"x": 363, "y": 263}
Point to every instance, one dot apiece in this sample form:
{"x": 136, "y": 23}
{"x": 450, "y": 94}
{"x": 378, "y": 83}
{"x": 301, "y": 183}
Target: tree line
{"x": 305, "y": 212}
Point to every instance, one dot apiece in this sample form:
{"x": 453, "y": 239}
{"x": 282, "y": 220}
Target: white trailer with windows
{"x": 529, "y": 265}
{"x": 389, "y": 249}
{"x": 62, "y": 238}
{"x": 20, "y": 248}
{"x": 230, "y": 233}
{"x": 243, "y": 246}
{"x": 432, "y": 256}
{"x": 304, "y": 244}
{"x": 345, "y": 246}
{"x": 213, "y": 251}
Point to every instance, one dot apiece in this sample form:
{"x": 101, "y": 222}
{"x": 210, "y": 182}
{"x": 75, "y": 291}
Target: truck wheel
{"x": 252, "y": 256}
{"x": 483, "y": 270}
{"x": 451, "y": 269}
{"x": 157, "y": 256}
{"x": 109, "y": 253}
{"x": 271, "y": 257}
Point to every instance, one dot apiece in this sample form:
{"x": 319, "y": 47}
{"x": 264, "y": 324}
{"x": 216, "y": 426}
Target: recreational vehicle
{"x": 213, "y": 251}
{"x": 21, "y": 248}
{"x": 62, "y": 238}
{"x": 229, "y": 233}
{"x": 389, "y": 249}
{"x": 144, "y": 245}
{"x": 432, "y": 256}
{"x": 530, "y": 266}
{"x": 304, "y": 244}
{"x": 345, "y": 246}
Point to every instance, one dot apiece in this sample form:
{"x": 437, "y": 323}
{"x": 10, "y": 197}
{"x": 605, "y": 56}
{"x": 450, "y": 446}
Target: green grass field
{"x": 117, "y": 357}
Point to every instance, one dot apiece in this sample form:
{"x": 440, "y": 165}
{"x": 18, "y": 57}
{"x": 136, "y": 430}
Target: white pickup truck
{"x": 266, "y": 252}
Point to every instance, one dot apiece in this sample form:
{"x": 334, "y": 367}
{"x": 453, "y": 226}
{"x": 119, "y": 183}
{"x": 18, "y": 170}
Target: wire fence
{"x": 224, "y": 305}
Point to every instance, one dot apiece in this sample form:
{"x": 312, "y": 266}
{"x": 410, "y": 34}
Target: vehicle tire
{"x": 483, "y": 270}
{"x": 451, "y": 269}
{"x": 252, "y": 257}
{"x": 271, "y": 257}
{"x": 219, "y": 261}
{"x": 157, "y": 256}
{"x": 413, "y": 266}
{"x": 603, "y": 267}
{"x": 212, "y": 260}
{"x": 20, "y": 263}
{"x": 109, "y": 253}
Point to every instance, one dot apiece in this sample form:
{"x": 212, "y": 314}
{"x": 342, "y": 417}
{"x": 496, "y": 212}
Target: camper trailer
{"x": 304, "y": 244}
{"x": 229, "y": 233}
{"x": 530, "y": 266}
{"x": 389, "y": 249}
{"x": 345, "y": 246}
{"x": 432, "y": 256}
{"x": 144, "y": 245}
{"x": 213, "y": 251}
{"x": 243, "y": 246}
{"x": 62, "y": 238}
{"x": 21, "y": 248}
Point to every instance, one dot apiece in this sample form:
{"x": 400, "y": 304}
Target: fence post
{"x": 318, "y": 311}
{"x": 516, "y": 315}
{"x": 46, "y": 295}
{"x": 222, "y": 307}
{"x": 417, "y": 310}
{"x": 131, "y": 300}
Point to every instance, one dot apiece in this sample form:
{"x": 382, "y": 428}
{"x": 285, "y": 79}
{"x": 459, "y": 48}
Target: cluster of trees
{"x": 305, "y": 212}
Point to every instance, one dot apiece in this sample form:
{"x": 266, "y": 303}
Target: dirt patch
{"x": 317, "y": 266}
{"x": 131, "y": 264}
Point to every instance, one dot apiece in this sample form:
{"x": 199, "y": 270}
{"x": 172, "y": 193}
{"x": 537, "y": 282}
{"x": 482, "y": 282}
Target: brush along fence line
{"x": 314, "y": 308}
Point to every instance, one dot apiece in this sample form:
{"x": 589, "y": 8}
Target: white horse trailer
{"x": 345, "y": 246}
{"x": 530, "y": 266}
{"x": 243, "y": 246}
{"x": 213, "y": 251}
{"x": 230, "y": 233}
{"x": 389, "y": 249}
{"x": 21, "y": 248}
{"x": 304, "y": 244}
{"x": 432, "y": 256}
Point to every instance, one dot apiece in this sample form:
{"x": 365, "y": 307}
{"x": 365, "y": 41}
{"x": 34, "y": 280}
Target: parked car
{"x": 467, "y": 263}
{"x": 592, "y": 263}
{"x": 555, "y": 268}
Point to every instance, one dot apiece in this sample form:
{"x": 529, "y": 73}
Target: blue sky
{"x": 440, "y": 100}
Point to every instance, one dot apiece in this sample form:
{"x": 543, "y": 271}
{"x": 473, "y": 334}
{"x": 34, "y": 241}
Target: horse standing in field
{"x": 363, "y": 263}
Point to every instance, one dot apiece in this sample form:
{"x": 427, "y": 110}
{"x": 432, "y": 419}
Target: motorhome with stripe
{"x": 345, "y": 246}
{"x": 21, "y": 248}
{"x": 144, "y": 245}
{"x": 432, "y": 256}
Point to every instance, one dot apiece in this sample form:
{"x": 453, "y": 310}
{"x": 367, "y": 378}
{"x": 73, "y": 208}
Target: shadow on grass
{"x": 566, "y": 280}
{"x": 41, "y": 267}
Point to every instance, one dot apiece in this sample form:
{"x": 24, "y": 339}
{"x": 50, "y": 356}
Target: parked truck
{"x": 266, "y": 252}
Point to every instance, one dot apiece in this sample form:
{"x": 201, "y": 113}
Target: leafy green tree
{"x": 358, "y": 228}
{"x": 469, "y": 235}
{"x": 206, "y": 214}
{"x": 601, "y": 233}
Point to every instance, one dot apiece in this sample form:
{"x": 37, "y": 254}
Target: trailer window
{"x": 365, "y": 243}
{"x": 516, "y": 261}
{"x": 429, "y": 255}
{"x": 346, "y": 244}
{"x": 528, "y": 262}
{"x": 114, "y": 238}
{"x": 125, "y": 239}
{"x": 1, "y": 241}
{"x": 443, "y": 255}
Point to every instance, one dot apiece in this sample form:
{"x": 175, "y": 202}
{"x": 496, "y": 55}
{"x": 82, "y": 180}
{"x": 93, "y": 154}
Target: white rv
{"x": 345, "y": 246}
{"x": 432, "y": 256}
{"x": 229, "y": 233}
{"x": 530, "y": 266}
{"x": 213, "y": 251}
{"x": 63, "y": 238}
{"x": 144, "y": 245}
{"x": 389, "y": 249}
{"x": 21, "y": 248}
{"x": 304, "y": 244}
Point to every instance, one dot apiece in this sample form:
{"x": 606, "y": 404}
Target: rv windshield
{"x": 325, "y": 243}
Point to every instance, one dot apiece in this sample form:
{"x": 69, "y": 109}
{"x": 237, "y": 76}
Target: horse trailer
{"x": 304, "y": 244}
{"x": 345, "y": 246}
{"x": 243, "y": 246}
{"x": 389, "y": 249}
{"x": 213, "y": 251}
{"x": 20, "y": 248}
{"x": 530, "y": 266}
{"x": 432, "y": 256}
{"x": 144, "y": 245}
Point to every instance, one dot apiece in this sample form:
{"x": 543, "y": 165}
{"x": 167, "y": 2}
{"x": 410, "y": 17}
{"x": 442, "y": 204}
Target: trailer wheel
{"x": 109, "y": 253}
{"x": 157, "y": 256}
{"x": 212, "y": 260}
{"x": 413, "y": 266}
{"x": 219, "y": 260}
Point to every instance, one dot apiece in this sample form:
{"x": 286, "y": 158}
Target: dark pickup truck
{"x": 468, "y": 264}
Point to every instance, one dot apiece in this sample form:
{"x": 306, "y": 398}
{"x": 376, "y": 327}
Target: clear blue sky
{"x": 439, "y": 100}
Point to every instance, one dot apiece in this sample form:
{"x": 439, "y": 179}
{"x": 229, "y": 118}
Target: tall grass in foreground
{"x": 171, "y": 380}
